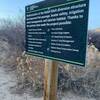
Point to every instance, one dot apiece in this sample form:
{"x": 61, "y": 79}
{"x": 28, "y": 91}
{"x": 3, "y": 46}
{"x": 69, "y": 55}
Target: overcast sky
{"x": 13, "y": 8}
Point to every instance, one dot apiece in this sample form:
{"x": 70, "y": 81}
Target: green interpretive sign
{"x": 57, "y": 30}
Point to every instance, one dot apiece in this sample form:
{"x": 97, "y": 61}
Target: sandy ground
{"x": 71, "y": 96}
{"x": 8, "y": 80}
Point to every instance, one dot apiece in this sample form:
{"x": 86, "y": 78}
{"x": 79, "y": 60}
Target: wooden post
{"x": 51, "y": 80}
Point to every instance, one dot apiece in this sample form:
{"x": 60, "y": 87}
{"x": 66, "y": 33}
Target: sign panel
{"x": 57, "y": 29}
